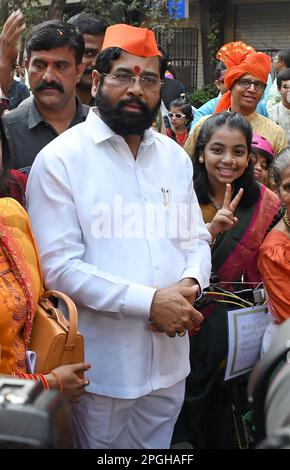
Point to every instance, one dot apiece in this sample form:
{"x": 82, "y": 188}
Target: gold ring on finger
{"x": 181, "y": 333}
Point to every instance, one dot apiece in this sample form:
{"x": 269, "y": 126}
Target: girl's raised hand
{"x": 225, "y": 218}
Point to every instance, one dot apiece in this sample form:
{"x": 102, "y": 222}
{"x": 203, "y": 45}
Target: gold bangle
{"x": 58, "y": 380}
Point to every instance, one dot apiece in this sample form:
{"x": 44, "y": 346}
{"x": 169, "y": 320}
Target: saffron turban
{"x": 136, "y": 41}
{"x": 241, "y": 59}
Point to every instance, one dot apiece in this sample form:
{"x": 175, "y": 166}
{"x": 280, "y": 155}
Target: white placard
{"x": 246, "y": 327}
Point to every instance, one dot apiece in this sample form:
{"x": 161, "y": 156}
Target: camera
{"x": 32, "y": 418}
{"x": 269, "y": 393}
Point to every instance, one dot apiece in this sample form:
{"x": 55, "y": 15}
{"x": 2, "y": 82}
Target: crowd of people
{"x": 117, "y": 192}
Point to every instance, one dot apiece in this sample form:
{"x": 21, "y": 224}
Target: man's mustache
{"x": 133, "y": 101}
{"x": 52, "y": 85}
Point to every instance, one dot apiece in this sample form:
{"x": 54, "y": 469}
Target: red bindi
{"x": 137, "y": 69}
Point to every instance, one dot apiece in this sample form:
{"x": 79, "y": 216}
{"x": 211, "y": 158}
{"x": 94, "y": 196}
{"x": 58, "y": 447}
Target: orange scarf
{"x": 20, "y": 256}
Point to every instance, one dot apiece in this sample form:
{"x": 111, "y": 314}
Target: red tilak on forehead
{"x": 137, "y": 69}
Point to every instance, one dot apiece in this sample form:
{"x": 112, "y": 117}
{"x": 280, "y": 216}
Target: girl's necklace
{"x": 214, "y": 203}
{"x": 286, "y": 221}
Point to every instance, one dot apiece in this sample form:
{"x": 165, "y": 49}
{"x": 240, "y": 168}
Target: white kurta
{"x": 106, "y": 229}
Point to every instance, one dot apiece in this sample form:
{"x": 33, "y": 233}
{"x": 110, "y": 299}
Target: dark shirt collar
{"x": 34, "y": 116}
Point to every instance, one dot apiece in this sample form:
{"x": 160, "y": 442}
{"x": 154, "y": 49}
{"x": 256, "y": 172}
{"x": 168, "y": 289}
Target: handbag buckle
{"x": 54, "y": 313}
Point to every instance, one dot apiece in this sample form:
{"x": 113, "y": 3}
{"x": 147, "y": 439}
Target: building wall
{"x": 263, "y": 25}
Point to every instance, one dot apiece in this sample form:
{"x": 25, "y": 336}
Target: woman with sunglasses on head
{"x": 237, "y": 211}
{"x": 180, "y": 116}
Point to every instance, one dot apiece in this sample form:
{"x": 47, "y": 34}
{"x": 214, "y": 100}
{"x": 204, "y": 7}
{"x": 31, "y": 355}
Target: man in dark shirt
{"x": 17, "y": 93}
{"x": 54, "y": 65}
{"x": 93, "y": 29}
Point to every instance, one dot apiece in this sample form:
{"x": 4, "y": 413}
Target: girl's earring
{"x": 201, "y": 159}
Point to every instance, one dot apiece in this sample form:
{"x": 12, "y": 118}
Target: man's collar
{"x": 34, "y": 116}
{"x": 81, "y": 111}
{"x": 100, "y": 131}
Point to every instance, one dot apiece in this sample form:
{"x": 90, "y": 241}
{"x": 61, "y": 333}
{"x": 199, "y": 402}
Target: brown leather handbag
{"x": 55, "y": 340}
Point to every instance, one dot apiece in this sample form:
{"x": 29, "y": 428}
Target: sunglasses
{"x": 177, "y": 115}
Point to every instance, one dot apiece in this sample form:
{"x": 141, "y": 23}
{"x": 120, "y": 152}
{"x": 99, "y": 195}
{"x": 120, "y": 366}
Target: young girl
{"x": 221, "y": 164}
{"x": 274, "y": 257}
{"x": 180, "y": 116}
{"x": 262, "y": 155}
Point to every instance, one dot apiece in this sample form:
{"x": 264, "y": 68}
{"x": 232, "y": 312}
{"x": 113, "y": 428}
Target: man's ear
{"x": 26, "y": 64}
{"x": 96, "y": 76}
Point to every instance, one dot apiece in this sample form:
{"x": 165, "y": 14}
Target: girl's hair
{"x": 275, "y": 220}
{"x": 280, "y": 164}
{"x": 7, "y": 182}
{"x": 246, "y": 180}
{"x": 184, "y": 107}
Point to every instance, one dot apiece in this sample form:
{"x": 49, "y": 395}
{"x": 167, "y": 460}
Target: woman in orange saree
{"x": 274, "y": 256}
{"x": 20, "y": 289}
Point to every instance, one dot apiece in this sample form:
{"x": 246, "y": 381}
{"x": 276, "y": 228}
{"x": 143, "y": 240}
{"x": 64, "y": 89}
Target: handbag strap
{"x": 73, "y": 317}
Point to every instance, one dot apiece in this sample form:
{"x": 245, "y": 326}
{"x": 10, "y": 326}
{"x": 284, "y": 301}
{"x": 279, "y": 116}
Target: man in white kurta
{"x": 119, "y": 229}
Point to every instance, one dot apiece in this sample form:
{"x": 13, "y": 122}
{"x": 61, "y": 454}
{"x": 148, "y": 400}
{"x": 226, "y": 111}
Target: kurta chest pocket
{"x": 167, "y": 213}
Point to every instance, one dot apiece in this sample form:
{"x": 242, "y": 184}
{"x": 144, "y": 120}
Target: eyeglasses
{"x": 244, "y": 83}
{"x": 177, "y": 115}
{"x": 123, "y": 79}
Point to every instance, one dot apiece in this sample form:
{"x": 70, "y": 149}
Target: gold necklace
{"x": 214, "y": 203}
{"x": 286, "y": 221}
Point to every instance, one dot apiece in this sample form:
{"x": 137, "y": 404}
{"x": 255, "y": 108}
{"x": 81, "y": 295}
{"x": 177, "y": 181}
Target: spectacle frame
{"x": 245, "y": 83}
{"x": 123, "y": 79}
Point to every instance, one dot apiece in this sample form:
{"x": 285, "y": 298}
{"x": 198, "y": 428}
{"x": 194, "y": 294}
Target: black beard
{"x": 124, "y": 122}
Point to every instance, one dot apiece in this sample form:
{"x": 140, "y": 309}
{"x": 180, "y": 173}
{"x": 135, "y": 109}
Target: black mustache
{"x": 135, "y": 101}
{"x": 52, "y": 85}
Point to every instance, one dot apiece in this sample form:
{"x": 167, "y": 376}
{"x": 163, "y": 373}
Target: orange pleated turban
{"x": 241, "y": 59}
{"x": 136, "y": 41}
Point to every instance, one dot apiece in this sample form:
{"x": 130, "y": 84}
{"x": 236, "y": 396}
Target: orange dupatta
{"x": 20, "y": 255}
